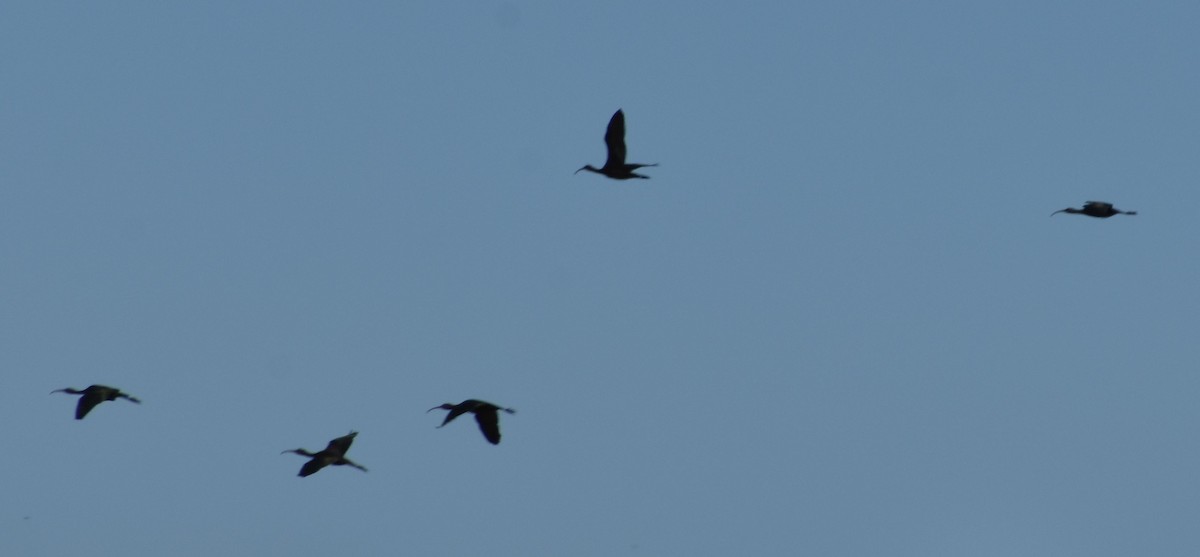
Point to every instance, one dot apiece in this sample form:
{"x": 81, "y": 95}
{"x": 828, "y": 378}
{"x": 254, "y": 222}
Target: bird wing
{"x": 489, "y": 424}
{"x": 1098, "y": 205}
{"x": 312, "y": 466}
{"x": 340, "y": 445}
{"x": 88, "y": 401}
{"x": 614, "y": 138}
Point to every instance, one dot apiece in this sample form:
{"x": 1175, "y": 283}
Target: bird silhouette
{"x": 486, "y": 414}
{"x": 334, "y": 454}
{"x": 616, "y": 167}
{"x": 1098, "y": 209}
{"x": 92, "y": 396}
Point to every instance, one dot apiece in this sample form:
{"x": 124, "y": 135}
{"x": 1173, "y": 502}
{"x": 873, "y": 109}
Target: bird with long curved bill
{"x": 94, "y": 395}
{"x": 334, "y": 454}
{"x": 486, "y": 414}
{"x": 615, "y": 166}
{"x": 1098, "y": 209}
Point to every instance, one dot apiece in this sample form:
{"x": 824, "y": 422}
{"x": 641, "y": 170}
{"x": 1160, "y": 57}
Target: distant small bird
{"x": 92, "y": 396}
{"x": 334, "y": 454}
{"x": 1098, "y": 209}
{"x": 486, "y": 414}
{"x": 615, "y": 167}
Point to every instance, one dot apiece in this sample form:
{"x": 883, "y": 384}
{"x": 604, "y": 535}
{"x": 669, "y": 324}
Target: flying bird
{"x": 486, "y": 414}
{"x": 92, "y": 396}
{"x": 1098, "y": 209}
{"x": 616, "y": 167}
{"x": 334, "y": 454}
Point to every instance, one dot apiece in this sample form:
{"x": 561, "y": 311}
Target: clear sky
{"x": 837, "y": 321}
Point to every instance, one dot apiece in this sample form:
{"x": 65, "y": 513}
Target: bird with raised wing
{"x": 1098, "y": 209}
{"x": 94, "y": 395}
{"x": 615, "y": 166}
{"x": 334, "y": 454}
{"x": 486, "y": 413}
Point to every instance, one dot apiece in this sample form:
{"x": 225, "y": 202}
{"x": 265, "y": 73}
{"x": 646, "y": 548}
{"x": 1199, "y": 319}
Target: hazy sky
{"x": 837, "y": 321}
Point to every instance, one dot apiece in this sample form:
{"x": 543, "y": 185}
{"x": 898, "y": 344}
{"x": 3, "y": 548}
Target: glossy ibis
{"x": 1098, "y": 209}
{"x": 94, "y": 395}
{"x": 486, "y": 414}
{"x": 616, "y": 167}
{"x": 334, "y": 454}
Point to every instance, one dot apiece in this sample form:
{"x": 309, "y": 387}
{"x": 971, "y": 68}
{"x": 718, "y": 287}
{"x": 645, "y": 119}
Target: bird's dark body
{"x": 486, "y": 414}
{"x": 615, "y": 166}
{"x": 1098, "y": 209}
{"x": 94, "y": 395}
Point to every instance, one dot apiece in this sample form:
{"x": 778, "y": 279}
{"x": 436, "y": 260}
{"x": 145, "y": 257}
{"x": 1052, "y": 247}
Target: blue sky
{"x": 838, "y": 320}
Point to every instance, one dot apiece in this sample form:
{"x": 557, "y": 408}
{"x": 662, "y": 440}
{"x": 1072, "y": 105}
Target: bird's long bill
{"x": 581, "y": 169}
{"x": 432, "y": 409}
{"x": 1058, "y": 211}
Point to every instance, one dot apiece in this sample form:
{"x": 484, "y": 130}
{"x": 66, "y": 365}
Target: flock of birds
{"x": 334, "y": 453}
{"x": 487, "y": 415}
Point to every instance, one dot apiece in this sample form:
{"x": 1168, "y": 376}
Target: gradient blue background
{"x": 837, "y": 321}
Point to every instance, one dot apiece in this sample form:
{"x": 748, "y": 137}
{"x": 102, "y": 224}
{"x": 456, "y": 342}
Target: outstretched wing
{"x": 1098, "y": 205}
{"x": 489, "y": 424}
{"x": 614, "y": 138}
{"x": 88, "y": 401}
{"x": 312, "y": 466}
{"x": 340, "y": 445}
